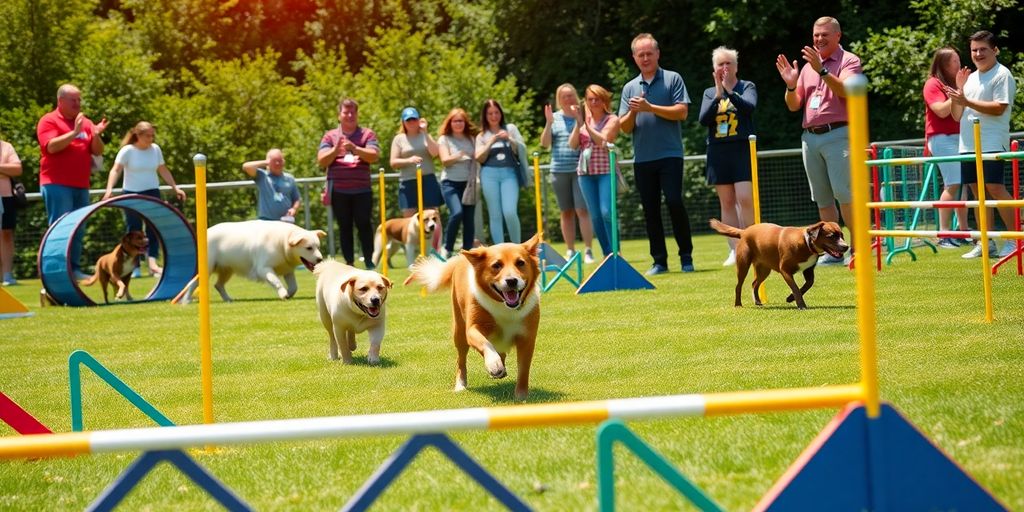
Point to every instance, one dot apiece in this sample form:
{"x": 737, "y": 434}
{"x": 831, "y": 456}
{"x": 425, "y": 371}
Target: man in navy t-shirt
{"x": 652, "y": 107}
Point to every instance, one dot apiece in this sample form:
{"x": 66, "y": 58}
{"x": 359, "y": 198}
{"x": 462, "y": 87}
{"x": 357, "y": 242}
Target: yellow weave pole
{"x": 383, "y": 231}
{"x": 762, "y": 291}
{"x": 857, "y": 106}
{"x": 536, "y": 194}
{"x": 205, "y": 347}
{"x": 986, "y": 275}
{"x": 419, "y": 211}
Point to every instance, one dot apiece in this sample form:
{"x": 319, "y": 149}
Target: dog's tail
{"x": 432, "y": 273}
{"x": 89, "y": 281}
{"x": 725, "y": 229}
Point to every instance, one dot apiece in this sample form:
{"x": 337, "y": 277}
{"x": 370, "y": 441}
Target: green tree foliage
{"x": 897, "y": 58}
{"x": 232, "y": 78}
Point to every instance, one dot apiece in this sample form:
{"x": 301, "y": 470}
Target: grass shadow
{"x": 782, "y": 307}
{"x": 503, "y": 392}
{"x": 385, "y": 362}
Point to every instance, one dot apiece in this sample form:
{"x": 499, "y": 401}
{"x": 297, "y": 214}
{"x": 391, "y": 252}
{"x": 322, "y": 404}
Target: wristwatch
{"x": 823, "y": 71}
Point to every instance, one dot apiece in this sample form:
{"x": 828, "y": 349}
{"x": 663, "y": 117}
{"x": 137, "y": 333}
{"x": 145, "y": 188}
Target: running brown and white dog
{"x": 116, "y": 266}
{"x": 351, "y": 301}
{"x": 261, "y": 250}
{"x": 495, "y": 305}
{"x": 406, "y": 231}
{"x": 786, "y": 250}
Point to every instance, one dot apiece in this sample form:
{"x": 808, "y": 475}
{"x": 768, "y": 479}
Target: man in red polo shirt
{"x": 67, "y": 142}
{"x": 818, "y": 90}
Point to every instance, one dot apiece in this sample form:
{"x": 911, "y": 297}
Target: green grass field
{"x": 957, "y": 378}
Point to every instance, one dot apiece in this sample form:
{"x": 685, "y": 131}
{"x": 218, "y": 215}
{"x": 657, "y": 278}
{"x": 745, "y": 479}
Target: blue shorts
{"x": 728, "y": 162}
{"x": 992, "y": 169}
{"x": 407, "y": 199}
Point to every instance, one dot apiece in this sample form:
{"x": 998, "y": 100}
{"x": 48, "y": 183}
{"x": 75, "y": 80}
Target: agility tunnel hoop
{"x": 80, "y": 358}
{"x": 171, "y": 229}
{"x": 614, "y": 273}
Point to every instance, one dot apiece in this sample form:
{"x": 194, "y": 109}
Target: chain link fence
{"x": 785, "y": 199}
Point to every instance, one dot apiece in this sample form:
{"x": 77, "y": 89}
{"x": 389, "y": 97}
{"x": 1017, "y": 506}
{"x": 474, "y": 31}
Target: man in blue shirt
{"x": 652, "y": 107}
{"x": 277, "y": 194}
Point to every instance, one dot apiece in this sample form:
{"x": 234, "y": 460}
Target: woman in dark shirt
{"x": 727, "y": 110}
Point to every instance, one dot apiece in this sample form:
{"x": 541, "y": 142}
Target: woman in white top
{"x": 141, "y": 160}
{"x": 500, "y": 151}
{"x": 410, "y": 148}
{"x": 456, "y": 147}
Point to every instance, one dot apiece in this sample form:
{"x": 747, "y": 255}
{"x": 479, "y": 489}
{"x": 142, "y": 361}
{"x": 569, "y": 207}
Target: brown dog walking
{"x": 786, "y": 250}
{"x": 116, "y": 266}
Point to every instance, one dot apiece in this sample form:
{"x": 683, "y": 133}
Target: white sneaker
{"x": 1008, "y": 247}
{"x": 731, "y": 260}
{"x": 976, "y": 251}
{"x": 569, "y": 253}
{"x": 588, "y": 256}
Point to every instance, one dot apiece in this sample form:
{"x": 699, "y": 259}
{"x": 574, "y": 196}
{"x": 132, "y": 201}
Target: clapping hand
{"x": 97, "y": 128}
{"x": 639, "y": 104}
{"x": 812, "y": 57}
{"x": 574, "y": 111}
{"x": 961, "y": 77}
{"x": 788, "y": 71}
{"x": 549, "y": 116}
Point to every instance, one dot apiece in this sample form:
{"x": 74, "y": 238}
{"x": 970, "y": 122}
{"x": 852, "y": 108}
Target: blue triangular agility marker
{"x": 614, "y": 430}
{"x": 127, "y": 480}
{"x": 81, "y": 357}
{"x": 549, "y": 254}
{"x": 397, "y": 462}
{"x": 857, "y": 463}
{"x": 614, "y": 273}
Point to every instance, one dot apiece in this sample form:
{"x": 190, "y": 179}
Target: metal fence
{"x": 785, "y": 199}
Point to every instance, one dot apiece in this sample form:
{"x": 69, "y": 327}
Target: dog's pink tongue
{"x": 511, "y": 297}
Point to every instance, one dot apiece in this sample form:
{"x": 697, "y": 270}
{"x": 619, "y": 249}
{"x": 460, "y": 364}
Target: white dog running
{"x": 261, "y": 250}
{"x": 351, "y": 301}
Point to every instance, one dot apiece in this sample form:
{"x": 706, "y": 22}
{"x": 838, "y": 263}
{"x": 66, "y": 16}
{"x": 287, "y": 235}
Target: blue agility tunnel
{"x": 175, "y": 234}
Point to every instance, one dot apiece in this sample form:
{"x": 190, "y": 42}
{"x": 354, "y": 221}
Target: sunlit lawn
{"x": 957, "y": 378}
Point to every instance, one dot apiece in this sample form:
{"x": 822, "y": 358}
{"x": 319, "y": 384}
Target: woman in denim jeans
{"x": 498, "y": 149}
{"x": 456, "y": 149}
{"x": 599, "y": 128}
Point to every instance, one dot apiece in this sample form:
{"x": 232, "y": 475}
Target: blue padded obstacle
{"x": 859, "y": 463}
{"x": 174, "y": 233}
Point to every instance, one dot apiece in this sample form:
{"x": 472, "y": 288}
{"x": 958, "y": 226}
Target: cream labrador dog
{"x": 351, "y": 301}
{"x": 262, "y": 250}
{"x": 406, "y": 231}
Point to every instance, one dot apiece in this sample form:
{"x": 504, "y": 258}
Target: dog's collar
{"x": 807, "y": 238}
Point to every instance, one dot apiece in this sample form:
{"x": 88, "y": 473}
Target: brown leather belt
{"x": 825, "y": 128}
